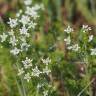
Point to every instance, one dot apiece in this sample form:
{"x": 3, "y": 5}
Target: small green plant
{"x": 83, "y": 46}
{"x": 19, "y": 40}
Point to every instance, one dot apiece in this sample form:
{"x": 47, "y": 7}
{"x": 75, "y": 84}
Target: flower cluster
{"x": 35, "y": 71}
{"x": 86, "y": 28}
{"x": 77, "y": 47}
{"x": 68, "y": 29}
{"x": 46, "y": 62}
{"x": 74, "y": 47}
{"x": 28, "y": 71}
{"x": 20, "y": 28}
{"x": 18, "y": 37}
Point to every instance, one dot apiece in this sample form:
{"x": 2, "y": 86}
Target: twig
{"x": 85, "y": 88}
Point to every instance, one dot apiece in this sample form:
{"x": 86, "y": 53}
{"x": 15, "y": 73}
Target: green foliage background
{"x": 49, "y": 39}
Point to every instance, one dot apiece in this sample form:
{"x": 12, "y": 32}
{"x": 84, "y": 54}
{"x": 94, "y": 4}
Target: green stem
{"x": 85, "y": 88}
{"x": 22, "y": 88}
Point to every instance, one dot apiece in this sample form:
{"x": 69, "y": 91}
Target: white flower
{"x": 20, "y": 71}
{"x": 24, "y": 46}
{"x": 86, "y": 28}
{"x": 68, "y": 30}
{"x": 74, "y": 47}
{"x": 15, "y": 51}
{"x": 46, "y": 61}
{"x": 24, "y": 31}
{"x": 13, "y": 41}
{"x": 93, "y": 51}
{"x": 27, "y": 77}
{"x": 32, "y": 12}
{"x": 27, "y": 2}
{"x": 27, "y": 63}
{"x": 3, "y": 37}
{"x": 32, "y": 25}
{"x": 45, "y": 93}
{"x": 37, "y": 7}
{"x": 90, "y": 38}
{"x": 69, "y": 47}
{"x": 12, "y": 22}
{"x": 24, "y": 19}
{"x": 67, "y": 40}
{"x": 46, "y": 70}
{"x": 36, "y": 72}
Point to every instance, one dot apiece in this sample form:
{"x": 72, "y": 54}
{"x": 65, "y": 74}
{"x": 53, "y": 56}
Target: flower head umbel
{"x": 86, "y": 28}
{"x": 27, "y": 63}
{"x": 74, "y": 47}
{"x": 46, "y": 61}
{"x": 27, "y": 77}
{"x": 32, "y": 12}
{"x": 24, "y": 46}
{"x": 45, "y": 93}
{"x": 68, "y": 30}
{"x": 46, "y": 70}
{"x": 93, "y": 51}
{"x": 24, "y": 19}
{"x": 12, "y": 22}
{"x": 3, "y": 37}
{"x": 13, "y": 41}
{"x": 20, "y": 71}
{"x": 15, "y": 51}
{"x": 32, "y": 25}
{"x": 36, "y": 72}
{"x": 24, "y": 31}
